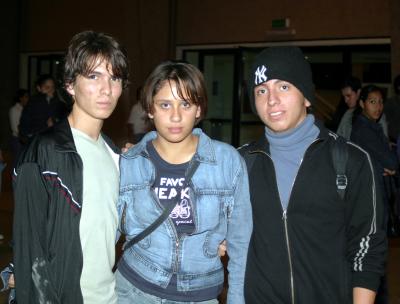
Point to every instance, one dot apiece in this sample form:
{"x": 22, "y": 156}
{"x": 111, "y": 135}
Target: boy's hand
{"x": 387, "y": 172}
{"x": 222, "y": 248}
{"x": 127, "y": 147}
{"x": 11, "y": 282}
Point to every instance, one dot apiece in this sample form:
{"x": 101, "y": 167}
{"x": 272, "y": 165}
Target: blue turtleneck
{"x": 287, "y": 150}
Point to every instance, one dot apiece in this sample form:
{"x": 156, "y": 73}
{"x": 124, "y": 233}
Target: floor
{"x": 6, "y": 207}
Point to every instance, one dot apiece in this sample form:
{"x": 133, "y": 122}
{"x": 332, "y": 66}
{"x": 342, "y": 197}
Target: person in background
{"x": 392, "y": 111}
{"x": 341, "y": 108}
{"x": 368, "y": 134}
{"x": 20, "y": 101}
{"x": 138, "y": 122}
{"x": 351, "y": 89}
{"x": 43, "y": 110}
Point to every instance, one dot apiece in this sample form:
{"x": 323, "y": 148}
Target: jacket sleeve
{"x": 366, "y": 232}
{"x": 25, "y": 121}
{"x": 32, "y": 278}
{"x": 344, "y": 128}
{"x": 377, "y": 145}
{"x": 240, "y": 225}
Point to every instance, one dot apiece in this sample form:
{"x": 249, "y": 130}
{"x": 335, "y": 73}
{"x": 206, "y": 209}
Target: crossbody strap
{"x": 339, "y": 157}
{"x": 167, "y": 210}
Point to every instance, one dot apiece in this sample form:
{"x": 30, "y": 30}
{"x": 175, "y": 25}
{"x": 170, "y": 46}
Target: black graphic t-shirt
{"x": 168, "y": 185}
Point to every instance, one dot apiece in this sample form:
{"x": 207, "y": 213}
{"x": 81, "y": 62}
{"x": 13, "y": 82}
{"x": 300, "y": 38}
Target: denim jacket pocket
{"x": 130, "y": 224}
{"x": 218, "y": 229}
{"x": 211, "y": 243}
{"x": 210, "y": 209}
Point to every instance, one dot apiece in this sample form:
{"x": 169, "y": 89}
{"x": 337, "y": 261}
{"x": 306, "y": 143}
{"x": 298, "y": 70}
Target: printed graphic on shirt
{"x": 170, "y": 188}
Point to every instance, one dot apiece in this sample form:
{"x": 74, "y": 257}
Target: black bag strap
{"x": 339, "y": 158}
{"x": 167, "y": 210}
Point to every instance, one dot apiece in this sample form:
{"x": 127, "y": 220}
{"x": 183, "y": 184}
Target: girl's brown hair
{"x": 188, "y": 79}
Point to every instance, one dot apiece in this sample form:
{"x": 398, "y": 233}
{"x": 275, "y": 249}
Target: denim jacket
{"x": 220, "y": 195}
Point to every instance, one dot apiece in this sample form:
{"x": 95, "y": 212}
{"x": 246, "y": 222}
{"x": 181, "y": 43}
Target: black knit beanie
{"x": 284, "y": 63}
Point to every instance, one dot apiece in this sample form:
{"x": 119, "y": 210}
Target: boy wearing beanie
{"x": 308, "y": 244}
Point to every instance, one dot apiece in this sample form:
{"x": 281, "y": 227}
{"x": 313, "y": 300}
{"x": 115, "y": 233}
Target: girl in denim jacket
{"x": 206, "y": 182}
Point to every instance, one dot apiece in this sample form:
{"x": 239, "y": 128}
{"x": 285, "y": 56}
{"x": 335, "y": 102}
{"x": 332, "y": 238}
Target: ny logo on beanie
{"x": 260, "y": 76}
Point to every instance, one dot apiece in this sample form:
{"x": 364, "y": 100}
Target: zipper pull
{"x": 284, "y": 216}
{"x": 177, "y": 244}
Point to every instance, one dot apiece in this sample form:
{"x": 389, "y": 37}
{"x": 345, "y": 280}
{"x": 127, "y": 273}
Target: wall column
{"x": 9, "y": 53}
{"x": 395, "y": 36}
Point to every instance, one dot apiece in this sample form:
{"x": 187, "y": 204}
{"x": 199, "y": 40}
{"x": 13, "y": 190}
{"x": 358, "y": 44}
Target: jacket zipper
{"x": 178, "y": 239}
{"x": 284, "y": 217}
{"x": 289, "y": 256}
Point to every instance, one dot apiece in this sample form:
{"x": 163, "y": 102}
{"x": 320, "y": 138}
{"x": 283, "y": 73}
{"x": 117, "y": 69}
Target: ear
{"x": 70, "y": 89}
{"x": 198, "y": 112}
{"x": 361, "y": 104}
{"x": 151, "y": 116}
{"x": 358, "y": 93}
{"x": 307, "y": 103}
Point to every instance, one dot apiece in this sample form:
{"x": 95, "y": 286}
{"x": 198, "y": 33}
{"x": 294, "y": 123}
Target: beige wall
{"x": 225, "y": 21}
{"x": 150, "y": 33}
{"x": 142, "y": 26}
{"x": 395, "y": 34}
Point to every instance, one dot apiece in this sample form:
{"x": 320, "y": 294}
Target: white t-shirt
{"x": 15, "y": 116}
{"x": 99, "y": 219}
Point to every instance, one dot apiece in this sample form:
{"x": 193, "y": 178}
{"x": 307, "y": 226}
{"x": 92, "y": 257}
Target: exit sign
{"x": 282, "y": 23}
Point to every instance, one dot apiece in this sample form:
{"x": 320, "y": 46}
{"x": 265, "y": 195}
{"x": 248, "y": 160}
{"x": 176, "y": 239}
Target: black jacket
{"x": 369, "y": 135}
{"x": 48, "y": 184}
{"x": 37, "y": 112}
{"x": 320, "y": 247}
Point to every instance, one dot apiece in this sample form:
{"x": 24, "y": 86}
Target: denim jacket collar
{"x": 204, "y": 153}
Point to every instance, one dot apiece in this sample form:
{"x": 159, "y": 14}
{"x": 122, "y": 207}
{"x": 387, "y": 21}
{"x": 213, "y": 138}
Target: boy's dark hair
{"x": 188, "y": 79}
{"x": 369, "y": 89}
{"x": 86, "y": 47}
{"x": 351, "y": 82}
{"x": 364, "y": 96}
{"x": 19, "y": 94}
{"x": 43, "y": 78}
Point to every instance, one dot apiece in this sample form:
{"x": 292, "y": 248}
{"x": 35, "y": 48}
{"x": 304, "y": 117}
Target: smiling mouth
{"x": 274, "y": 114}
{"x": 277, "y": 115}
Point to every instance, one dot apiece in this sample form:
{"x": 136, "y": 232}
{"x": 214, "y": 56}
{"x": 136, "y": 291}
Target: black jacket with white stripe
{"x": 321, "y": 247}
{"x": 48, "y": 186}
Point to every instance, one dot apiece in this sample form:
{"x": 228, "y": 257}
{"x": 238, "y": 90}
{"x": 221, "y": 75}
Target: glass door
{"x": 219, "y": 74}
